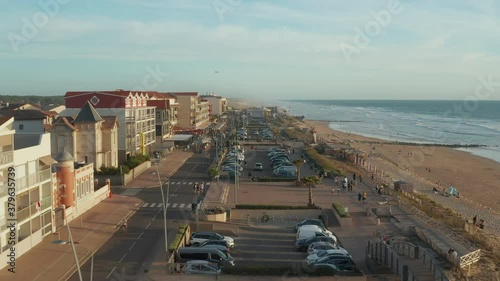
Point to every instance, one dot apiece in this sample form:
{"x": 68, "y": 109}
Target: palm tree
{"x": 298, "y": 163}
{"x": 310, "y": 180}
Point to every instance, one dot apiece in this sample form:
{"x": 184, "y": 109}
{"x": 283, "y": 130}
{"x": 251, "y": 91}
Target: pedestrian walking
{"x": 360, "y": 179}
{"x": 364, "y": 197}
{"x": 354, "y": 176}
{"x": 202, "y": 186}
{"x": 194, "y": 186}
{"x": 338, "y": 191}
{"x": 359, "y": 196}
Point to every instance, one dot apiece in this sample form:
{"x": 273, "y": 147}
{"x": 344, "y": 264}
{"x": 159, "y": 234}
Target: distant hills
{"x": 34, "y": 100}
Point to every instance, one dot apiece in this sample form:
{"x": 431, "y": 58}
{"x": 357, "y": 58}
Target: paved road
{"x": 126, "y": 255}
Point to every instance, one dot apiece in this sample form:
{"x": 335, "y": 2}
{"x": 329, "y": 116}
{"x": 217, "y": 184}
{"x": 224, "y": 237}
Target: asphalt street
{"x": 127, "y": 255}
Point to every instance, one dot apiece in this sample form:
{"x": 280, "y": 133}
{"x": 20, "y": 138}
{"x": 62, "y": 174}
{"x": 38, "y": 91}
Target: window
{"x": 21, "y": 127}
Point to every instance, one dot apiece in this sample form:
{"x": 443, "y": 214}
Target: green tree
{"x": 298, "y": 163}
{"x": 310, "y": 180}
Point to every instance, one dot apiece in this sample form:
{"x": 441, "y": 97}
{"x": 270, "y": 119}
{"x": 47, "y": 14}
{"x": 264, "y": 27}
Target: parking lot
{"x": 269, "y": 246}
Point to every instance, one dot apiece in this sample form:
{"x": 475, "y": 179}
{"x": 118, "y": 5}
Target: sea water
{"x": 441, "y": 122}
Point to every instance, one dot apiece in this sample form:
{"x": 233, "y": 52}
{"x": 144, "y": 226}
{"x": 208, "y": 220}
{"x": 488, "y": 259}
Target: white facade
{"x": 29, "y": 126}
{"x": 33, "y": 197}
{"x": 217, "y": 103}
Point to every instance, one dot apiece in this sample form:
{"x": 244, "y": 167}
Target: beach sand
{"x": 476, "y": 178}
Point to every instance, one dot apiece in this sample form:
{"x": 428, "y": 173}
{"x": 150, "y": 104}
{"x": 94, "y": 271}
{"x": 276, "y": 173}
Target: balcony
{"x": 6, "y": 157}
{"x": 28, "y": 211}
{"x": 130, "y": 119}
{"x": 32, "y": 179}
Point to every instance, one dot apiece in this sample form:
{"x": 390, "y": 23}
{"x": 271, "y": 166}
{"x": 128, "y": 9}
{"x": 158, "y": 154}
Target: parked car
{"x": 201, "y": 267}
{"x": 343, "y": 262}
{"x": 200, "y": 237}
{"x": 185, "y": 254}
{"x": 222, "y": 248}
{"x": 258, "y": 167}
{"x": 303, "y": 244}
{"x": 309, "y": 222}
{"x": 333, "y": 252}
{"x": 215, "y": 242}
{"x": 306, "y": 231}
{"x": 318, "y": 247}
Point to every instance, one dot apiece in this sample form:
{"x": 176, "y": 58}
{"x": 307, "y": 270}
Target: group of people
{"x": 480, "y": 224}
{"x": 198, "y": 187}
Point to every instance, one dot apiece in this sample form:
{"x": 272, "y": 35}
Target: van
{"x": 307, "y": 231}
{"x": 213, "y": 255}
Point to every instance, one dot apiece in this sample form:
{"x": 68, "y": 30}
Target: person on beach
{"x": 359, "y": 196}
{"x": 474, "y": 220}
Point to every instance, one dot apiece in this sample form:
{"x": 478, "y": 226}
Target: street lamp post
{"x": 164, "y": 207}
{"x": 73, "y": 245}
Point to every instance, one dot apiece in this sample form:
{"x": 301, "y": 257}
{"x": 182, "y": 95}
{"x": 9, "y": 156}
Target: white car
{"x": 199, "y": 237}
{"x": 307, "y": 231}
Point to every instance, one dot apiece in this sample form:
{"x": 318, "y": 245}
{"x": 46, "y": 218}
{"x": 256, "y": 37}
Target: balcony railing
{"x": 6, "y": 157}
{"x": 32, "y": 179}
{"x": 28, "y": 211}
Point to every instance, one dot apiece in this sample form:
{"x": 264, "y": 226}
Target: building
{"x": 90, "y": 137}
{"x": 166, "y": 114}
{"x": 29, "y": 155}
{"x": 259, "y": 113}
{"x": 136, "y": 133}
{"x": 27, "y": 121}
{"x": 193, "y": 114}
{"x": 218, "y": 104}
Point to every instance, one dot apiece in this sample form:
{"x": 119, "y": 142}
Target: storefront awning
{"x": 180, "y": 137}
{"x": 47, "y": 160}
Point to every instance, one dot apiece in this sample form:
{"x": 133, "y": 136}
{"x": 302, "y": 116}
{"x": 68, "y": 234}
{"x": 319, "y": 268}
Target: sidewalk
{"x": 52, "y": 262}
{"x": 49, "y": 261}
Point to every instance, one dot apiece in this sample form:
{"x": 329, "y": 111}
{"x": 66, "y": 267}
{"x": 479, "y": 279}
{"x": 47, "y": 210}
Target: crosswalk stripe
{"x": 190, "y": 183}
{"x": 168, "y": 205}
{"x": 152, "y": 205}
{"x": 159, "y": 205}
{"x": 188, "y": 205}
{"x": 207, "y": 183}
{"x": 179, "y": 182}
{"x": 182, "y": 205}
{"x": 145, "y": 205}
{"x": 175, "y": 205}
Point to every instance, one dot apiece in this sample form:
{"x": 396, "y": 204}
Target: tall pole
{"x": 92, "y": 267}
{"x": 164, "y": 209}
{"x": 73, "y": 246}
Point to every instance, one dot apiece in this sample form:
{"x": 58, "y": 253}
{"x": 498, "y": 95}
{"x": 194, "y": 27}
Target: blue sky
{"x": 281, "y": 49}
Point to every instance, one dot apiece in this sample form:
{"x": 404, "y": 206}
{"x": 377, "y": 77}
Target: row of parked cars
{"x": 281, "y": 164}
{"x": 234, "y": 158}
{"x": 207, "y": 253}
{"x": 322, "y": 247}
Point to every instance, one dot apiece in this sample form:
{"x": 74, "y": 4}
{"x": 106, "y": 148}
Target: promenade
{"x": 48, "y": 261}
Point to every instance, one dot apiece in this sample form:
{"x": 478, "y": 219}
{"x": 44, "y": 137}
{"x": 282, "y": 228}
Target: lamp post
{"x": 72, "y": 245}
{"x": 164, "y": 207}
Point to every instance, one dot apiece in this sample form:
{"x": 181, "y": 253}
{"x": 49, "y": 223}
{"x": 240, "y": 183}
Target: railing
{"x": 28, "y": 211}
{"x": 391, "y": 257}
{"x": 32, "y": 179}
{"x": 6, "y": 157}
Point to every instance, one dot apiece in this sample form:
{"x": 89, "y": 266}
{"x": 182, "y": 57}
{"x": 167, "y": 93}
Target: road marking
{"x": 131, "y": 192}
{"x": 123, "y": 257}
{"x": 111, "y": 272}
{"x": 178, "y": 182}
{"x": 207, "y": 183}
{"x": 175, "y": 205}
{"x": 140, "y": 235}
{"x": 188, "y": 205}
{"x": 152, "y": 205}
{"x": 132, "y": 246}
{"x": 182, "y": 205}
{"x": 159, "y": 205}
{"x": 168, "y": 205}
{"x": 145, "y": 205}
{"x": 148, "y": 225}
{"x": 190, "y": 183}
{"x": 136, "y": 204}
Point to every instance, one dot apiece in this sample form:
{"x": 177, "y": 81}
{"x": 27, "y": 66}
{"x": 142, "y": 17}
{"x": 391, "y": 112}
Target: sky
{"x": 275, "y": 49}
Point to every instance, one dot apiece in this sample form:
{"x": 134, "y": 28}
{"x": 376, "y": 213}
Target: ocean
{"x": 443, "y": 122}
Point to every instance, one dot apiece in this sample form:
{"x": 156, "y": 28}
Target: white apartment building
{"x": 33, "y": 179}
{"x": 218, "y": 104}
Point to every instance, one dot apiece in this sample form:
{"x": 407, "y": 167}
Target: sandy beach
{"x": 476, "y": 178}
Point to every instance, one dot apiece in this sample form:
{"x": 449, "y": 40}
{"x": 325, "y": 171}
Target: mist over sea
{"x": 443, "y": 122}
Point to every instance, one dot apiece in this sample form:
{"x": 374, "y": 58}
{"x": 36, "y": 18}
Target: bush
{"x": 112, "y": 170}
{"x": 340, "y": 210}
{"x": 274, "y": 207}
{"x": 214, "y": 211}
{"x": 136, "y": 160}
{"x": 322, "y": 161}
{"x": 174, "y": 245}
{"x": 213, "y": 171}
{"x": 272, "y": 179}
